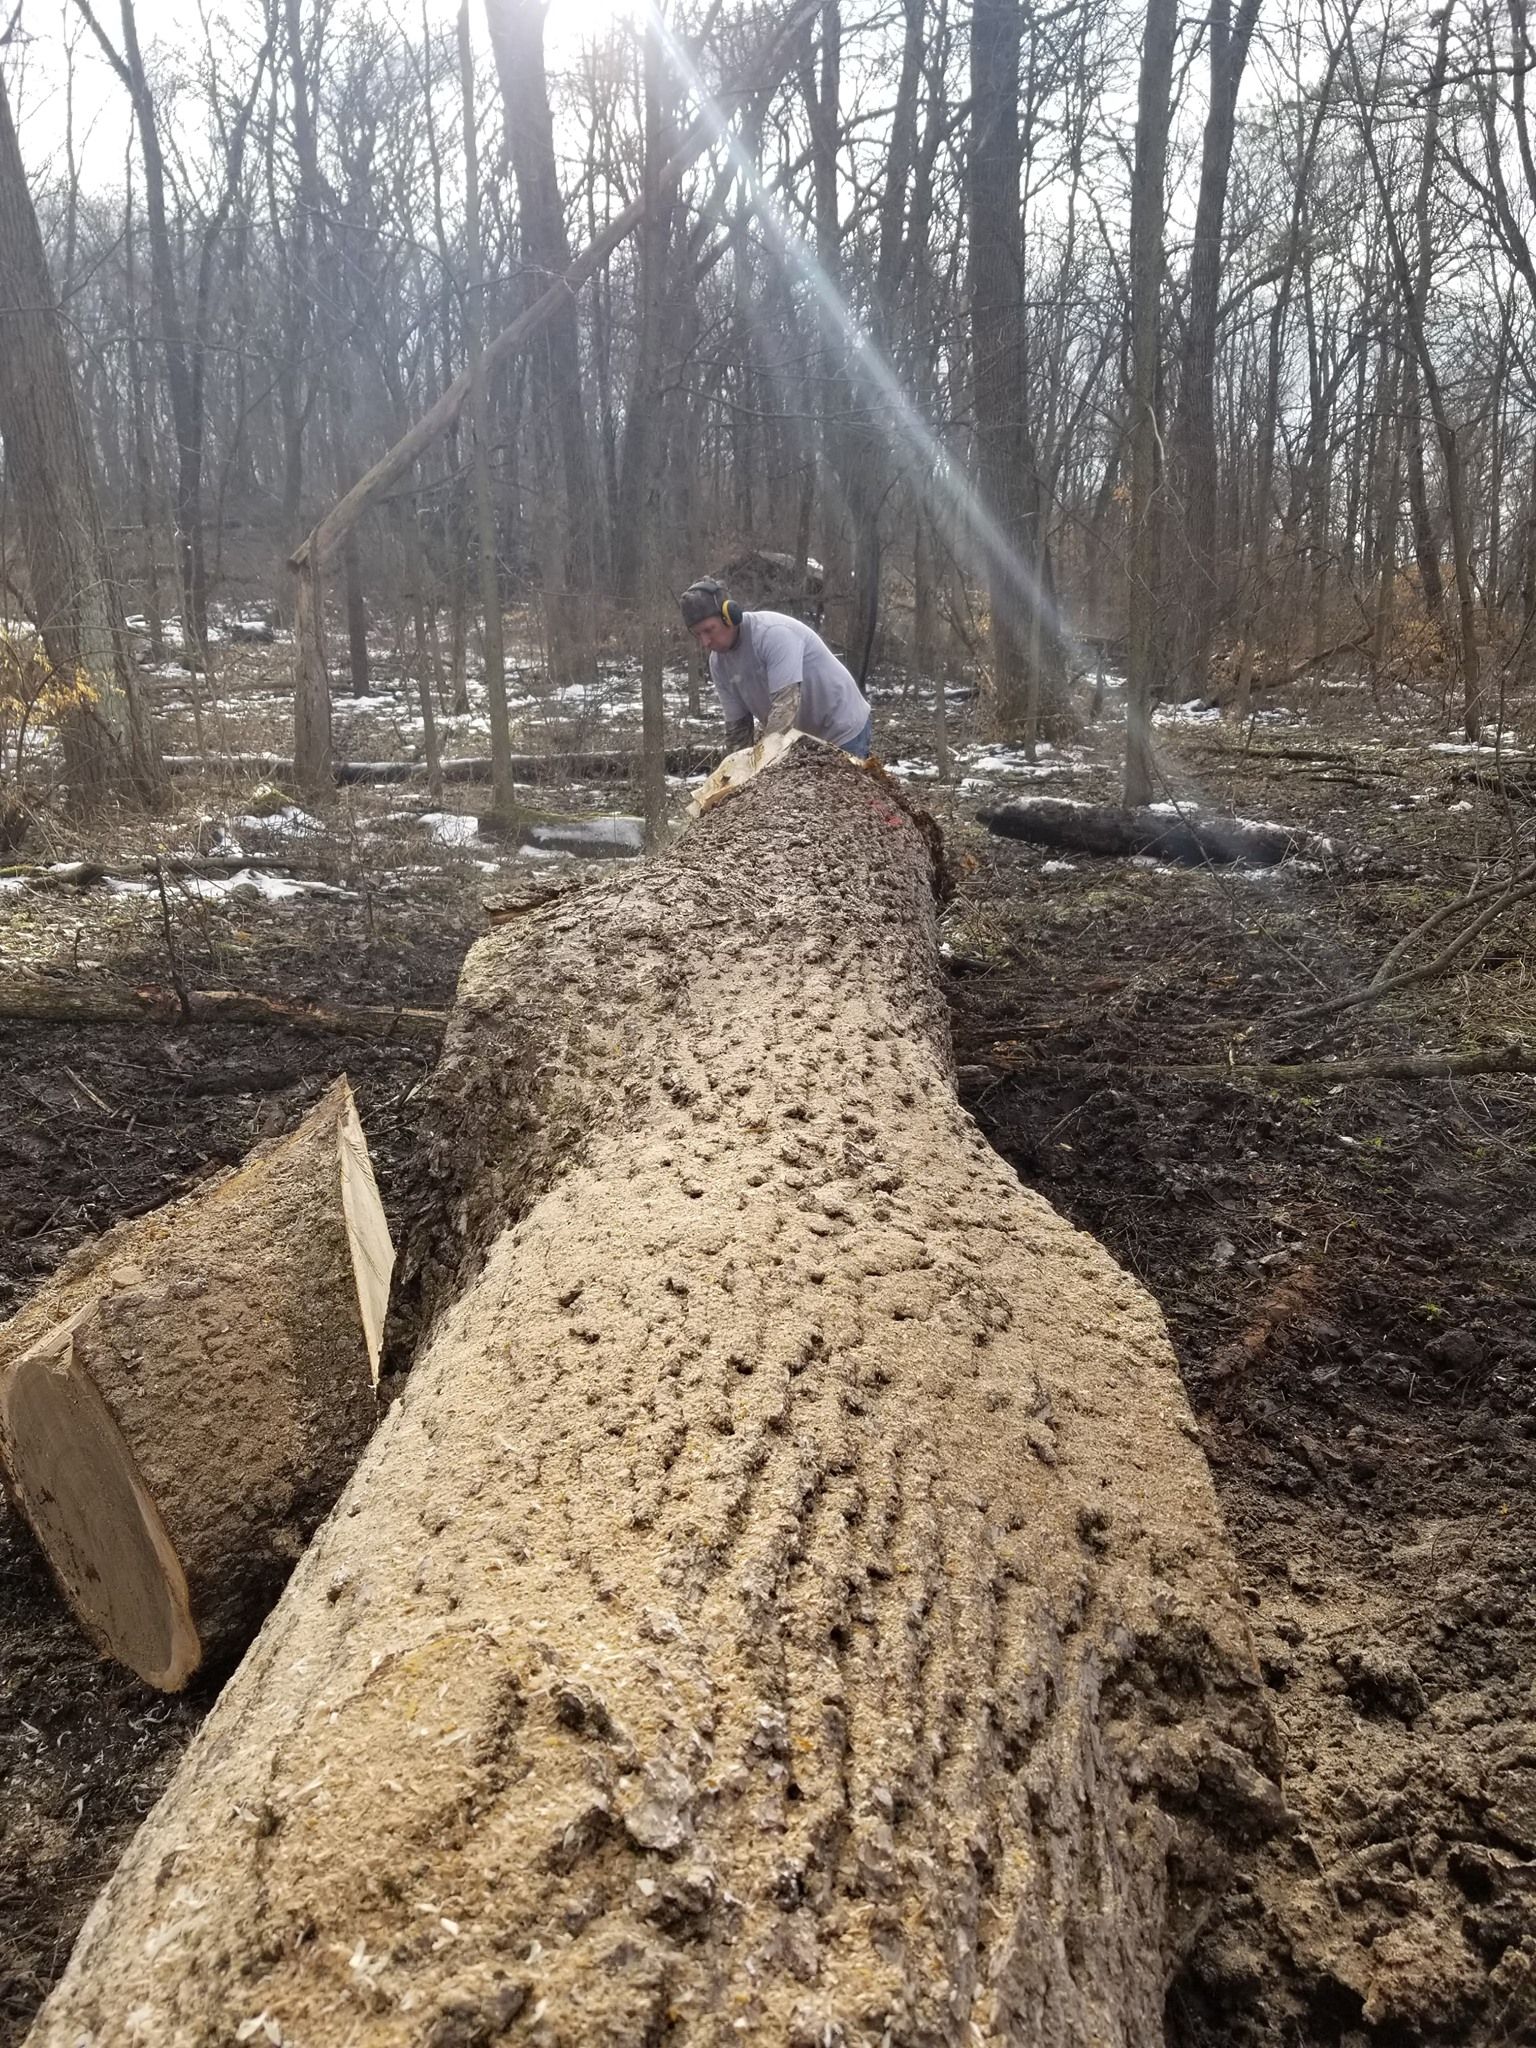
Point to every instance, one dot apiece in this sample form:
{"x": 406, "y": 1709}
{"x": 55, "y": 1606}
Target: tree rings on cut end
{"x": 80, "y": 1486}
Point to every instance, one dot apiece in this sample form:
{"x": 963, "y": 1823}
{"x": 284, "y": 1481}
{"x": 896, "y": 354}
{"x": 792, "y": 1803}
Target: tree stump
{"x": 789, "y": 1603}
{"x": 181, "y": 1404}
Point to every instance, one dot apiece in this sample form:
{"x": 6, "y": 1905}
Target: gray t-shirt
{"x": 773, "y": 651}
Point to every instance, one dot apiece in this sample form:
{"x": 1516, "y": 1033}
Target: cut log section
{"x": 182, "y": 1403}
{"x": 789, "y": 1603}
{"x": 1101, "y": 828}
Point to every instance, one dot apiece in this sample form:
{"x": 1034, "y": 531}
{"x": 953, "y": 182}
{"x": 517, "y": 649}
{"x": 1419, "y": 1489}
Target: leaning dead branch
{"x": 1482, "y": 903}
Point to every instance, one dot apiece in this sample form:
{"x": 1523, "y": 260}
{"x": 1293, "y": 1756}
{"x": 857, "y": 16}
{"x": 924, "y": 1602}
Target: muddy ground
{"x": 1349, "y": 1275}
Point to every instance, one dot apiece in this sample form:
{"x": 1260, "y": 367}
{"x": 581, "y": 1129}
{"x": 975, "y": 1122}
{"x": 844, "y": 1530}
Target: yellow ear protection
{"x": 730, "y": 611}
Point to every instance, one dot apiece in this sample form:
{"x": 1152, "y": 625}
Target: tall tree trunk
{"x": 570, "y": 566}
{"x": 1147, "y": 642}
{"x": 503, "y": 793}
{"x": 1194, "y": 425}
{"x": 788, "y": 1600}
{"x": 185, "y": 412}
{"x": 655, "y": 240}
{"x": 143, "y": 459}
{"x": 1413, "y": 284}
{"x": 1013, "y": 526}
{"x": 1387, "y": 494}
{"x": 108, "y": 747}
{"x": 1426, "y": 544}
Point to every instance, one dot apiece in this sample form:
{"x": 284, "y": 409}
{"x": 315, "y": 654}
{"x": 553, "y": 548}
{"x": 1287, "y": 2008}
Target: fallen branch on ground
{"x": 540, "y": 769}
{"x": 1486, "y": 900}
{"x": 1498, "y": 783}
{"x": 1516, "y": 1058}
{"x": 46, "y": 1002}
{"x": 1227, "y": 693}
{"x": 85, "y": 874}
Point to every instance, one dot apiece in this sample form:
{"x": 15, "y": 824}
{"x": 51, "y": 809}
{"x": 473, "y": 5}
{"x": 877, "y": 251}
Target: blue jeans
{"x": 861, "y": 743}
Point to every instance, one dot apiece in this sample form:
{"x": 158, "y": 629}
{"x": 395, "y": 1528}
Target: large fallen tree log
{"x": 1101, "y": 828}
{"x": 183, "y": 1401}
{"x": 789, "y": 1602}
{"x": 540, "y": 769}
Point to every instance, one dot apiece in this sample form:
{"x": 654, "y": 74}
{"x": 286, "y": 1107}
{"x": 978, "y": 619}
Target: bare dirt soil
{"x": 1349, "y": 1276}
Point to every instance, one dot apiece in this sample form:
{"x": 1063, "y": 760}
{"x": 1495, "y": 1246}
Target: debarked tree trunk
{"x": 789, "y": 1603}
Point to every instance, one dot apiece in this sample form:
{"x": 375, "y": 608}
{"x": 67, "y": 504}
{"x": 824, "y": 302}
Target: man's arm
{"x": 738, "y": 733}
{"x": 783, "y": 709}
{"x": 785, "y": 676}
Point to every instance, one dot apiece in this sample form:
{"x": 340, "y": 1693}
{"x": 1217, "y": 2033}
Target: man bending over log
{"x": 773, "y": 671}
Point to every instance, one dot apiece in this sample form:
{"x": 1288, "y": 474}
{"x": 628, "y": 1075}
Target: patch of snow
{"x": 1507, "y": 749}
{"x": 288, "y": 823}
{"x": 1059, "y": 867}
{"x": 450, "y": 828}
{"x": 1464, "y": 805}
{"x": 272, "y": 888}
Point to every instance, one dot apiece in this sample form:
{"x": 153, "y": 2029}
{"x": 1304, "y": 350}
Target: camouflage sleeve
{"x": 783, "y": 709}
{"x": 738, "y": 733}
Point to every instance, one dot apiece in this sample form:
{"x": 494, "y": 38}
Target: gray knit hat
{"x": 702, "y": 600}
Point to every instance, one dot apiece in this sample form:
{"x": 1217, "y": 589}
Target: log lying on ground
{"x": 85, "y": 874}
{"x": 1100, "y": 828}
{"x": 526, "y": 768}
{"x": 181, "y": 1404}
{"x": 1514, "y": 782}
{"x": 1514, "y": 1058}
{"x": 789, "y": 1602}
{"x": 90, "y": 1002}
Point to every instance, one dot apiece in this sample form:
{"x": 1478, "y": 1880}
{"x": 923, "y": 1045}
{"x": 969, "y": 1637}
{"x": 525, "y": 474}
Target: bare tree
{"x": 1146, "y": 675}
{"x": 108, "y": 750}
{"x": 569, "y": 560}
